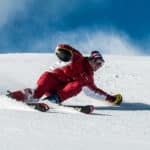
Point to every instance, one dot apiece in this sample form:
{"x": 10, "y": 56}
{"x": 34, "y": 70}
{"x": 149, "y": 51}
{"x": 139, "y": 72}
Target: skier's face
{"x": 96, "y": 64}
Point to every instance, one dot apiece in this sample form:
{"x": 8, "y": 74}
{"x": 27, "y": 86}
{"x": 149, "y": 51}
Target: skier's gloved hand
{"x": 115, "y": 100}
{"x": 110, "y": 98}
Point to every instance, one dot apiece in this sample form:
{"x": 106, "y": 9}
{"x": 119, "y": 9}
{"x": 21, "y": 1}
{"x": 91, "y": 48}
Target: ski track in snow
{"x": 124, "y": 127}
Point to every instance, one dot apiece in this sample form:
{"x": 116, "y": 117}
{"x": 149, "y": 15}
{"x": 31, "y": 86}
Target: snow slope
{"x": 124, "y": 127}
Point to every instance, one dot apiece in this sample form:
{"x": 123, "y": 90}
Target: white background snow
{"x": 114, "y": 128}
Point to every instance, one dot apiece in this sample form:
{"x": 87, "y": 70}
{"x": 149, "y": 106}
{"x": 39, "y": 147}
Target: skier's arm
{"x": 97, "y": 93}
{"x": 98, "y": 90}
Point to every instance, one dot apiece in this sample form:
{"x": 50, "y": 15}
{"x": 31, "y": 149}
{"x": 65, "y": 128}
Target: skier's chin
{"x": 96, "y": 68}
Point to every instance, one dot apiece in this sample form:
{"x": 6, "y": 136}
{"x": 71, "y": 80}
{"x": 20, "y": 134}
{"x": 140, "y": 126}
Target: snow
{"x": 124, "y": 127}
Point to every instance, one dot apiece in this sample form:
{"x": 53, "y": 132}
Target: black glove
{"x": 116, "y": 99}
{"x": 63, "y": 54}
{"x": 110, "y": 98}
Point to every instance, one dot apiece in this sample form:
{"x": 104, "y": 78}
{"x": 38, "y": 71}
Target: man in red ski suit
{"x": 64, "y": 82}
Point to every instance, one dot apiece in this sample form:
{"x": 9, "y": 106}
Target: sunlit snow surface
{"x": 124, "y": 127}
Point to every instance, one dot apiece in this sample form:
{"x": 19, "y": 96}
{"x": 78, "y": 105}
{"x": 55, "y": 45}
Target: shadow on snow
{"x": 127, "y": 107}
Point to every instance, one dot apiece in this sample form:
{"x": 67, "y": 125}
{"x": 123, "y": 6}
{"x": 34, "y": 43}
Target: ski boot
{"x": 54, "y": 98}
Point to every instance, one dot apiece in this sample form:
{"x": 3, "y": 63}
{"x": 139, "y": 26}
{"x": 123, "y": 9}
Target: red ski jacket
{"x": 66, "y": 81}
{"x": 78, "y": 70}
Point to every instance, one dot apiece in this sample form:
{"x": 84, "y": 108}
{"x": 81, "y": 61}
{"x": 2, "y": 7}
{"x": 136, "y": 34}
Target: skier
{"x": 67, "y": 81}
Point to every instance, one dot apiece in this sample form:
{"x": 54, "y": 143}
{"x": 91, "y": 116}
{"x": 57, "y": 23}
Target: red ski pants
{"x": 48, "y": 83}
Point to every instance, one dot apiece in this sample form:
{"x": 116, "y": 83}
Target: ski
{"x": 87, "y": 109}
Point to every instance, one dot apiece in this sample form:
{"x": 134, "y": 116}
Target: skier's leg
{"x": 70, "y": 90}
{"x": 46, "y": 84}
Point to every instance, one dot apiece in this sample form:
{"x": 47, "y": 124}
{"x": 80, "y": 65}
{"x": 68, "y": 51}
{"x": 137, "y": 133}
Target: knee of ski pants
{"x": 47, "y": 83}
{"x": 70, "y": 90}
